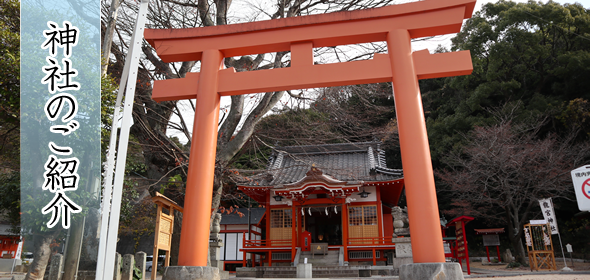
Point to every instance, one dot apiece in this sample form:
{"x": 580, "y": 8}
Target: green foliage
{"x": 9, "y": 84}
{"x": 533, "y": 53}
{"x": 513, "y": 265}
{"x": 10, "y": 199}
{"x": 9, "y": 60}
{"x": 130, "y": 194}
{"x": 578, "y": 235}
{"x": 137, "y": 273}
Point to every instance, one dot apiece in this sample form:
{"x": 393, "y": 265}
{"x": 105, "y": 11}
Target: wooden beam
{"x": 375, "y": 70}
{"x": 421, "y": 19}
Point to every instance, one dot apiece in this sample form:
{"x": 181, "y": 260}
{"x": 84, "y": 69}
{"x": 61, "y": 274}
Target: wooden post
{"x": 488, "y": 253}
{"x": 466, "y": 249}
{"x": 156, "y": 238}
{"x": 244, "y": 245}
{"x": 299, "y": 228}
{"x": 163, "y": 202}
{"x": 293, "y": 232}
{"x": 379, "y": 213}
{"x": 345, "y": 229}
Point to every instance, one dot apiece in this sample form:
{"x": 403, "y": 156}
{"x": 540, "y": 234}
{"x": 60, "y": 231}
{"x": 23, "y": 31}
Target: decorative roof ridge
{"x": 381, "y": 158}
{"x": 372, "y": 162}
{"x": 278, "y": 161}
{"x": 284, "y": 149}
{"x": 389, "y": 171}
{"x": 330, "y": 144}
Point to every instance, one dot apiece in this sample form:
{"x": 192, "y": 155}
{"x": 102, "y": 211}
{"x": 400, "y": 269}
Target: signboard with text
{"x": 549, "y": 214}
{"x": 581, "y": 180}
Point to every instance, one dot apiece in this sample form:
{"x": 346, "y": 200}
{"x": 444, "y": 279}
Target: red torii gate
{"x": 396, "y": 25}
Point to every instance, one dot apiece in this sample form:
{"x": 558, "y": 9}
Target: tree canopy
{"x": 534, "y": 53}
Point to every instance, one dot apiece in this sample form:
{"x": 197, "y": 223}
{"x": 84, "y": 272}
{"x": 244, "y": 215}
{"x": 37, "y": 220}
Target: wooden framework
{"x": 461, "y": 247}
{"x": 491, "y": 238}
{"x": 539, "y": 247}
{"x": 396, "y": 25}
{"x": 164, "y": 229}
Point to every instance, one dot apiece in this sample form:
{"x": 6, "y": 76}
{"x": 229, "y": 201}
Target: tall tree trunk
{"x": 520, "y": 255}
{"x": 514, "y": 234}
{"x": 42, "y": 254}
{"x": 108, "y": 35}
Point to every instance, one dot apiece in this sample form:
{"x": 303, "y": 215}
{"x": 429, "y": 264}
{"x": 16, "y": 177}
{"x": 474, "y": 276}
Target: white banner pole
{"x": 110, "y": 212}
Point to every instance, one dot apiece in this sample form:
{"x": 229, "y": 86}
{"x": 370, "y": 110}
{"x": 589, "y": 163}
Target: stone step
{"x": 384, "y": 272}
{"x": 330, "y": 259}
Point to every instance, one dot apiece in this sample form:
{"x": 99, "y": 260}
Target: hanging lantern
{"x": 364, "y": 194}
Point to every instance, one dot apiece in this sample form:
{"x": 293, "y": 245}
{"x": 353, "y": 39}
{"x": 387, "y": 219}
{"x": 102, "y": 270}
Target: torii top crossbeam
{"x": 396, "y": 25}
{"x": 421, "y": 19}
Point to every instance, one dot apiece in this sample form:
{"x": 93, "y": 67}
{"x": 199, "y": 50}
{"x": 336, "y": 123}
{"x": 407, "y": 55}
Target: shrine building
{"x": 328, "y": 203}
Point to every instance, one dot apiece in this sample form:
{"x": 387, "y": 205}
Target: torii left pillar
{"x": 194, "y": 243}
{"x": 396, "y": 25}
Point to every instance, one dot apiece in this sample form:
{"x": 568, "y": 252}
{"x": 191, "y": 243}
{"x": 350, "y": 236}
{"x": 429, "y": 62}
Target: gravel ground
{"x": 540, "y": 277}
{"x": 501, "y": 269}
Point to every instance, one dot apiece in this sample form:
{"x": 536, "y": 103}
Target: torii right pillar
{"x": 427, "y": 247}
{"x": 415, "y": 151}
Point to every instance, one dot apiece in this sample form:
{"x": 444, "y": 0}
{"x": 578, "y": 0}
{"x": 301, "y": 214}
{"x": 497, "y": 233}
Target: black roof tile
{"x": 363, "y": 161}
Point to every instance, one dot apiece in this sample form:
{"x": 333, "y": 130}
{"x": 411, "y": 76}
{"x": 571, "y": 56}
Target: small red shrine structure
{"x": 458, "y": 246}
{"x": 10, "y": 244}
{"x": 339, "y": 196}
{"x": 491, "y": 238}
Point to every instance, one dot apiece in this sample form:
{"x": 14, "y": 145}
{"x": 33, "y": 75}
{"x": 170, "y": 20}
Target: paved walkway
{"x": 476, "y": 273}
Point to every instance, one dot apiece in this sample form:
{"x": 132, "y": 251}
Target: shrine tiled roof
{"x": 363, "y": 161}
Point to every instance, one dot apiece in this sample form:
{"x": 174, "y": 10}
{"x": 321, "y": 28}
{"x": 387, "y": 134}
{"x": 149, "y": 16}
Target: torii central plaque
{"x": 396, "y": 25}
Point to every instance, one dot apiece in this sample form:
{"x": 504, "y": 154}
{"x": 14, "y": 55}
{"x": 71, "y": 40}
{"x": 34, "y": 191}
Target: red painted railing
{"x": 383, "y": 241}
{"x": 370, "y": 241}
{"x": 267, "y": 243}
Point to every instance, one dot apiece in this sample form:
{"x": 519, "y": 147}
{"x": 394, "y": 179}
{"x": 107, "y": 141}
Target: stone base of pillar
{"x": 431, "y": 271}
{"x": 224, "y": 275}
{"x": 304, "y": 270}
{"x": 191, "y": 273}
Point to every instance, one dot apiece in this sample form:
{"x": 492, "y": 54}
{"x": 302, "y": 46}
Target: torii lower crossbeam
{"x": 396, "y": 25}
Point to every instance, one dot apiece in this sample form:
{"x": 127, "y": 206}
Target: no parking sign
{"x": 581, "y": 179}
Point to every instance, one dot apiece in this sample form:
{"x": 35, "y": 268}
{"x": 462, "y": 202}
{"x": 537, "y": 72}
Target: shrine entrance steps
{"x": 317, "y": 272}
{"x": 323, "y": 266}
{"x": 330, "y": 259}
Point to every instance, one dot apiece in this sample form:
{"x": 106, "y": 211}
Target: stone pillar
{"x": 304, "y": 270}
{"x": 57, "y": 262}
{"x": 403, "y": 252}
{"x": 128, "y": 267}
{"x": 117, "y": 272}
{"x": 214, "y": 254}
{"x": 140, "y": 263}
